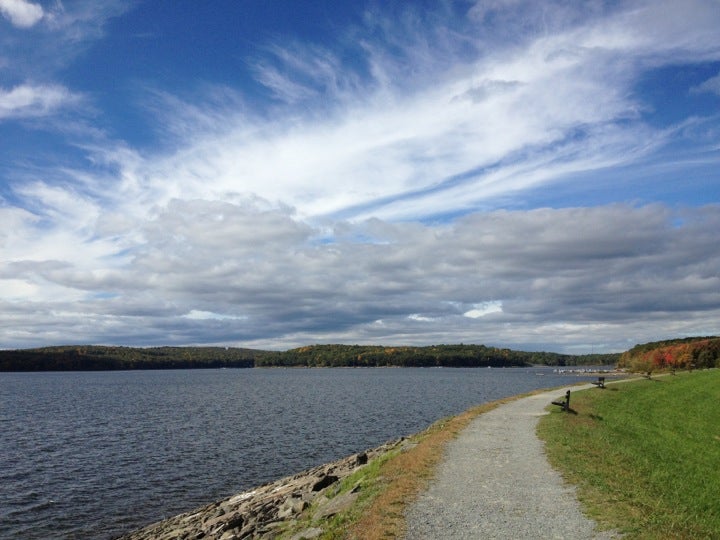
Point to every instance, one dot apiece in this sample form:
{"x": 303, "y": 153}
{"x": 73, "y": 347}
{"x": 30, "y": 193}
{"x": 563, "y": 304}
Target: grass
{"x": 645, "y": 454}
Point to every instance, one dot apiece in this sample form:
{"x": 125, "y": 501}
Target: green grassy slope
{"x": 644, "y": 454}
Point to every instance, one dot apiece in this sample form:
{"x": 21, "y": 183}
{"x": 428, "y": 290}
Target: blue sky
{"x": 538, "y": 175}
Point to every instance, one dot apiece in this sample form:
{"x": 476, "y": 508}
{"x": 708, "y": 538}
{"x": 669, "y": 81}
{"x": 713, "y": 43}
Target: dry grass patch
{"x": 390, "y": 483}
{"x": 407, "y": 475}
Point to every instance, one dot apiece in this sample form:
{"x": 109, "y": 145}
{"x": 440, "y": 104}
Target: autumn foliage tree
{"x": 684, "y": 353}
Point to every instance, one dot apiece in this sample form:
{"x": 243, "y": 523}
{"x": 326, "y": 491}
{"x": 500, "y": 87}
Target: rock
{"x": 330, "y": 507}
{"x": 260, "y": 512}
{"x": 292, "y": 507}
{"x": 308, "y": 534}
{"x": 234, "y": 522}
{"x": 324, "y": 482}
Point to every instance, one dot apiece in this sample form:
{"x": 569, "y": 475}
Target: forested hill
{"x": 684, "y": 353}
{"x": 98, "y": 358}
{"x": 431, "y": 356}
{"x": 101, "y": 358}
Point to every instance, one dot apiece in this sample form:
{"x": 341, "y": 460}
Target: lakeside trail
{"x": 495, "y": 482}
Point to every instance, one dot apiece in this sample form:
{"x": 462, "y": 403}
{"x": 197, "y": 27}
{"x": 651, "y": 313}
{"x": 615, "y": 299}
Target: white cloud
{"x": 217, "y": 272}
{"x": 17, "y": 290}
{"x": 711, "y": 85}
{"x": 33, "y": 101}
{"x": 21, "y": 13}
{"x": 420, "y": 318}
{"x": 401, "y": 146}
{"x": 486, "y": 308}
{"x": 376, "y": 152}
{"x": 200, "y": 315}
{"x": 53, "y": 36}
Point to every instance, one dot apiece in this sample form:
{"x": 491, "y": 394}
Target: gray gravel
{"x": 495, "y": 482}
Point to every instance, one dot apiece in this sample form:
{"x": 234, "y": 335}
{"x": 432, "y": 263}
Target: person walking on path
{"x": 495, "y": 482}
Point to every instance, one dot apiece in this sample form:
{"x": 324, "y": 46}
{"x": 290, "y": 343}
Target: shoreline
{"x": 266, "y": 510}
{"x": 310, "y": 497}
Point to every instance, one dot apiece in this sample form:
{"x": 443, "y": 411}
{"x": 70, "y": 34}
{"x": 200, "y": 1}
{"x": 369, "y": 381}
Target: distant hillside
{"x": 99, "y": 358}
{"x": 684, "y": 353}
{"x": 430, "y": 356}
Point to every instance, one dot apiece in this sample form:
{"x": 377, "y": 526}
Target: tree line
{"x": 429, "y": 356}
{"x": 104, "y": 358}
{"x": 100, "y": 358}
{"x": 683, "y": 353}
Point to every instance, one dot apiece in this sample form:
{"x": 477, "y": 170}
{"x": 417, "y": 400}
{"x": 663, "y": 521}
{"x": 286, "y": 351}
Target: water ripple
{"x": 93, "y": 455}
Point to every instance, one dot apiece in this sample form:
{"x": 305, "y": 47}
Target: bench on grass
{"x": 600, "y": 383}
{"x": 565, "y": 403}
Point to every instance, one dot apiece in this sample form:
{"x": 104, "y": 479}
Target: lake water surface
{"x": 94, "y": 455}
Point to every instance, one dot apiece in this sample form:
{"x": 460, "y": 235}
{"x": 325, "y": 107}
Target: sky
{"x": 272, "y": 174}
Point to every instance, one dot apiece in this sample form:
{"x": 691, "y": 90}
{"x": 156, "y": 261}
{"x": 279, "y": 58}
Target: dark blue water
{"x": 94, "y": 455}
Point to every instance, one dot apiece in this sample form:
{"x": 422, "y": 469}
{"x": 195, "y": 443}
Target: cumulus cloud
{"x": 32, "y": 101}
{"x": 21, "y": 13}
{"x": 231, "y": 273}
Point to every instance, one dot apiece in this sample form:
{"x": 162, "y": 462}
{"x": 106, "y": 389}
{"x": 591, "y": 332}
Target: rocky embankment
{"x": 266, "y": 511}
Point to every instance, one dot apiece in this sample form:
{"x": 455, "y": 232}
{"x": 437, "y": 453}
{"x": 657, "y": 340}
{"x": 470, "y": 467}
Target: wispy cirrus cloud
{"x": 711, "y": 85}
{"x": 46, "y": 40}
{"x": 389, "y": 143}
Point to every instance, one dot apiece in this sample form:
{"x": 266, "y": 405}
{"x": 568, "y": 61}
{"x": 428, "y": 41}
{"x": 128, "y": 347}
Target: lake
{"x": 97, "y": 454}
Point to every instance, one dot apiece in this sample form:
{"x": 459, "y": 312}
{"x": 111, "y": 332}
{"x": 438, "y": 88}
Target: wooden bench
{"x": 600, "y": 383}
{"x": 565, "y": 403}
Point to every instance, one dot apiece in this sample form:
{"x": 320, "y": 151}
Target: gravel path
{"x": 495, "y": 482}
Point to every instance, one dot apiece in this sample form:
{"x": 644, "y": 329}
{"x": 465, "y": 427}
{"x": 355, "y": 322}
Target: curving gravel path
{"x": 495, "y": 482}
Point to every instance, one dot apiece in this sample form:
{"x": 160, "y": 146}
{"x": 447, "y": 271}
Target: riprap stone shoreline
{"x": 265, "y": 511}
